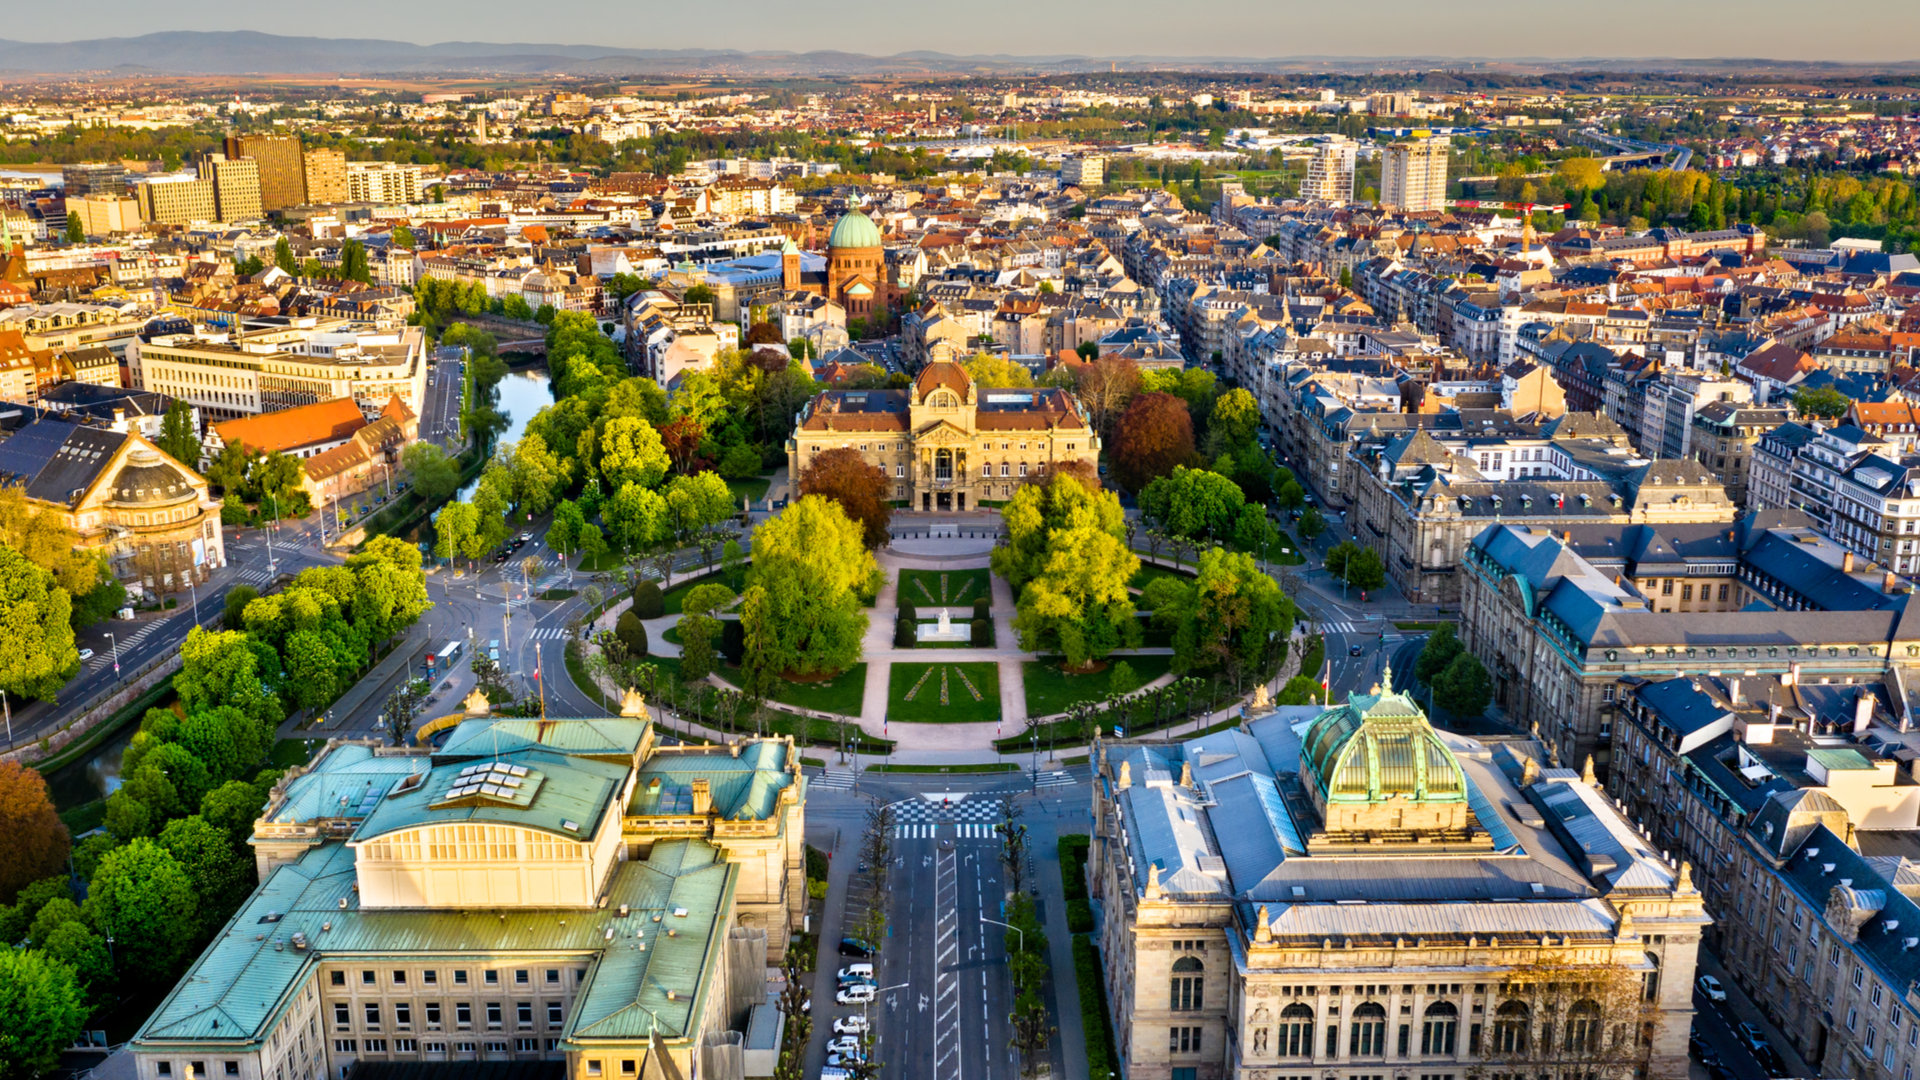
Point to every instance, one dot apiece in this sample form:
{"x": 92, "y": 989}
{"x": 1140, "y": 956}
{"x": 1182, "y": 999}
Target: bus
{"x": 442, "y": 661}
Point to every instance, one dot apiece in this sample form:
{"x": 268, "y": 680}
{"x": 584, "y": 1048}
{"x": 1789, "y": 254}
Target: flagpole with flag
{"x": 541, "y": 681}
{"x": 1326, "y": 684}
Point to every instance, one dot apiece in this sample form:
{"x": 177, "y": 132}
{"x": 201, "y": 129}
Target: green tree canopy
{"x": 1441, "y": 647}
{"x": 434, "y": 475}
{"x": 177, "y": 439}
{"x": 631, "y": 452}
{"x": 1077, "y": 604}
{"x": 42, "y": 1009}
{"x": 1464, "y": 689}
{"x": 145, "y": 900}
{"x": 37, "y": 652}
{"x": 1824, "y": 403}
{"x": 804, "y": 610}
{"x": 1194, "y": 503}
{"x": 1036, "y": 511}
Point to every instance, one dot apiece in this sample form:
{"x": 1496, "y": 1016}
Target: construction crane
{"x": 1526, "y": 214}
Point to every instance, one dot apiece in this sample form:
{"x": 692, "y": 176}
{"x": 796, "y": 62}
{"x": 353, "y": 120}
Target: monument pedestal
{"x": 942, "y": 632}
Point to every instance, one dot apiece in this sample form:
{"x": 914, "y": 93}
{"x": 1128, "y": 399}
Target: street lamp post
{"x": 196, "y": 597}
{"x": 867, "y": 1021}
{"x": 116, "y": 653}
{"x": 272, "y": 527}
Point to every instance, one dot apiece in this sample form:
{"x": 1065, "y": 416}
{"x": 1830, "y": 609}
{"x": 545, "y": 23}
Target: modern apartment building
{"x": 1344, "y": 892}
{"x": 326, "y": 177}
{"x": 1413, "y": 175}
{"x": 1083, "y": 170}
{"x": 177, "y": 200}
{"x": 1330, "y": 170}
{"x": 1725, "y": 437}
{"x": 234, "y": 375}
{"x": 236, "y": 186}
{"x": 283, "y": 179}
{"x": 383, "y": 182}
{"x": 104, "y": 215}
{"x": 94, "y": 178}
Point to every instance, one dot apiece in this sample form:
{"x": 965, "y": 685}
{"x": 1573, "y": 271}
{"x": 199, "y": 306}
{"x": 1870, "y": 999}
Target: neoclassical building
{"x": 946, "y": 443}
{"x": 154, "y": 517}
{"x": 1350, "y": 892}
{"x": 569, "y": 895}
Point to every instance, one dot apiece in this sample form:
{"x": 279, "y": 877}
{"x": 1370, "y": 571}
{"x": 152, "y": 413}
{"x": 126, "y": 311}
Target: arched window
{"x": 1187, "y": 979}
{"x": 1296, "y": 1031}
{"x": 1369, "y": 1031}
{"x": 1510, "y": 1029}
{"x": 1442, "y": 1026}
{"x": 1583, "y": 1027}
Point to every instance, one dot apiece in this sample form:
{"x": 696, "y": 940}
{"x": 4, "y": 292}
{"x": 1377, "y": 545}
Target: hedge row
{"x": 1093, "y": 1003}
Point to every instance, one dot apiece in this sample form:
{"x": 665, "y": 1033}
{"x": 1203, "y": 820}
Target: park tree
{"x": 1193, "y": 503}
{"x": 1441, "y": 647}
{"x": 1037, "y": 511}
{"x": 1464, "y": 688}
{"x": 632, "y": 633}
{"x": 47, "y": 542}
{"x": 564, "y": 534}
{"x": 697, "y": 502}
{"x": 699, "y": 630}
{"x": 638, "y": 397}
{"x": 37, "y": 652}
{"x": 1234, "y": 424}
{"x": 37, "y": 841}
{"x": 593, "y": 546}
{"x": 1253, "y": 532}
{"x": 233, "y": 614}
{"x": 1077, "y": 603}
{"x": 177, "y": 438}
{"x": 283, "y": 257}
{"x": 682, "y": 437}
{"x": 1154, "y": 435}
{"x": 1225, "y": 619}
{"x": 221, "y": 669}
{"x": 434, "y": 475}
{"x": 989, "y": 371}
{"x": 1312, "y": 525}
{"x": 636, "y": 517}
{"x": 1105, "y": 385}
{"x": 141, "y": 894}
{"x": 1578, "y": 175}
{"x": 763, "y": 333}
{"x": 454, "y": 528}
{"x": 403, "y": 238}
{"x": 861, "y": 489}
{"x": 811, "y": 574}
{"x": 232, "y": 808}
{"x": 631, "y": 452}
{"x": 1360, "y": 567}
{"x": 42, "y": 1010}
{"x": 220, "y": 878}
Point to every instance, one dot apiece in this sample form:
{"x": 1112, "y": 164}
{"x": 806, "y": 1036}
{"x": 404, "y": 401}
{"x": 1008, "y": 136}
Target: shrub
{"x": 233, "y": 514}
{"x": 632, "y": 633}
{"x": 733, "y": 641}
{"x": 904, "y": 636}
{"x": 982, "y": 634}
{"x": 1093, "y": 1007}
{"x": 647, "y": 601}
{"x": 1079, "y": 917}
{"x": 982, "y": 608}
{"x": 816, "y": 863}
{"x": 1073, "y": 861}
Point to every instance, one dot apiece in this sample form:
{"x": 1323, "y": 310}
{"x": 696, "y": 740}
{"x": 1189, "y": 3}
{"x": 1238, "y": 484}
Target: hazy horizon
{"x": 1874, "y": 31}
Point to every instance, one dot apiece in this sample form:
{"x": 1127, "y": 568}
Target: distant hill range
{"x": 245, "y": 52}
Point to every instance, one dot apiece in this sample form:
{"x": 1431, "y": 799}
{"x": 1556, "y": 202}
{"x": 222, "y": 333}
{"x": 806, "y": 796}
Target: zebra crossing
{"x": 1339, "y": 628}
{"x": 833, "y": 780}
{"x": 547, "y": 633}
{"x": 961, "y": 832}
{"x": 104, "y": 657}
{"x": 1056, "y": 779}
{"x": 255, "y": 575}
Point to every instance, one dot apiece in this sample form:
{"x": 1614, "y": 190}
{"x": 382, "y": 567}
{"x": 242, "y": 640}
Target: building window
{"x": 1442, "y": 1025}
{"x": 339, "y": 978}
{"x": 463, "y": 1014}
{"x": 553, "y": 1012}
{"x": 523, "y": 1012}
{"x": 1296, "y": 1031}
{"x": 1510, "y": 1029}
{"x": 1183, "y": 1040}
{"x": 1023, "y": 468}
{"x": 373, "y": 1015}
{"x": 1583, "y": 1028}
{"x": 493, "y": 1014}
{"x": 342, "y": 1018}
{"x": 403, "y": 1014}
{"x": 1369, "y": 1031}
{"x": 433, "y": 1013}
{"x": 399, "y": 978}
{"x": 1187, "y": 985}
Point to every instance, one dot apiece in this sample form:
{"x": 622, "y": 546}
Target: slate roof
{"x": 52, "y": 460}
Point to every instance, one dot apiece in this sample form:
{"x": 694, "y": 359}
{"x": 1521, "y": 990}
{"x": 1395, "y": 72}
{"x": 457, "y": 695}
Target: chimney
{"x": 702, "y": 797}
{"x": 1846, "y": 563}
{"x": 1889, "y": 583}
{"x": 120, "y": 421}
{"x": 1733, "y": 690}
{"x": 1862, "y": 711}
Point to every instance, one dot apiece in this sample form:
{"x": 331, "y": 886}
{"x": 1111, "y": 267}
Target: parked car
{"x": 850, "y": 1025}
{"x": 856, "y": 971}
{"x": 840, "y": 1060}
{"x": 524, "y": 537}
{"x": 1711, "y": 987}
{"x": 845, "y": 1044}
{"x": 854, "y": 947}
{"x": 493, "y": 650}
{"x": 857, "y": 995}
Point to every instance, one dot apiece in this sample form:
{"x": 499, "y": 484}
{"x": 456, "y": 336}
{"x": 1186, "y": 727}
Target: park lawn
{"x": 841, "y": 694}
{"x": 963, "y": 587}
{"x": 1148, "y": 573}
{"x": 1290, "y": 557}
{"x": 677, "y": 596}
{"x": 753, "y": 487}
{"x": 960, "y": 706}
{"x": 608, "y": 560}
{"x": 1050, "y": 690}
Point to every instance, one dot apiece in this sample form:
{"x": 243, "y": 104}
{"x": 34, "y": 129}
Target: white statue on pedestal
{"x": 946, "y": 623}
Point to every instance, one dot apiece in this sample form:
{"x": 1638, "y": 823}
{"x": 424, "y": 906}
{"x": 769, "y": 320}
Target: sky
{"x": 1858, "y": 30}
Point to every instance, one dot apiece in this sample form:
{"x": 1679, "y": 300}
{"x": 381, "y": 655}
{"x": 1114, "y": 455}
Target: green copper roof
{"x": 243, "y": 980}
{"x": 854, "y": 230}
{"x": 747, "y": 786}
{"x": 1380, "y": 746}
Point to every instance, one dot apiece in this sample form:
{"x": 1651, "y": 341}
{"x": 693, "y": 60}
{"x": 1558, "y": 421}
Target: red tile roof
{"x": 325, "y": 421}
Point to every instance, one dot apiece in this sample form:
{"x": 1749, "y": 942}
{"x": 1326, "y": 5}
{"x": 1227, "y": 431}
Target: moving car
{"x": 1711, "y": 987}
{"x": 86, "y": 654}
{"x": 524, "y": 537}
{"x": 1356, "y": 650}
{"x": 1750, "y": 1035}
{"x": 857, "y": 995}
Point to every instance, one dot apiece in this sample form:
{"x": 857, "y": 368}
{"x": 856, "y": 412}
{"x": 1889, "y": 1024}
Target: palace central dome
{"x": 854, "y": 230}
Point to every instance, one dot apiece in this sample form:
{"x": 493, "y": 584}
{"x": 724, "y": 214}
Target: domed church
{"x": 856, "y": 266}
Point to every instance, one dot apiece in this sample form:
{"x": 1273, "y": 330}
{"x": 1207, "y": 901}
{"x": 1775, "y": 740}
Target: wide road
{"x": 440, "y": 413}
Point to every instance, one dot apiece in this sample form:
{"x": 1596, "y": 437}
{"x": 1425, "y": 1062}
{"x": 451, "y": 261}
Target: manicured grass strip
{"x": 559, "y": 594}
{"x": 817, "y": 763}
{"x": 1093, "y": 1007}
{"x": 753, "y": 487}
{"x": 982, "y": 767}
{"x": 1050, "y": 690}
{"x": 914, "y": 693}
{"x": 923, "y": 588}
{"x": 677, "y": 596}
{"x": 1421, "y": 627}
{"x": 840, "y": 694}
{"x": 1148, "y": 573}
{"x": 1077, "y": 759}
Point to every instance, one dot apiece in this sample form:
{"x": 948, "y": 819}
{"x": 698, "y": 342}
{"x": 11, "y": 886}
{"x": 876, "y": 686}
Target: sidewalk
{"x": 1043, "y": 842}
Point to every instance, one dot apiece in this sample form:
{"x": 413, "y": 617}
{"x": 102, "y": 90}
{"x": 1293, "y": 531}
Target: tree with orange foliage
{"x": 682, "y": 437}
{"x": 1083, "y": 471}
{"x": 764, "y": 333}
{"x": 842, "y": 475}
{"x": 36, "y": 845}
{"x": 1153, "y": 435}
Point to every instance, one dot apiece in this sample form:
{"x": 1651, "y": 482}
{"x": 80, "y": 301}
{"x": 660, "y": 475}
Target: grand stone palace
{"x": 946, "y": 443}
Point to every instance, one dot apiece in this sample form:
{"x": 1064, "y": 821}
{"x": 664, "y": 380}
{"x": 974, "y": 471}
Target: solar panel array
{"x": 498, "y": 780}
